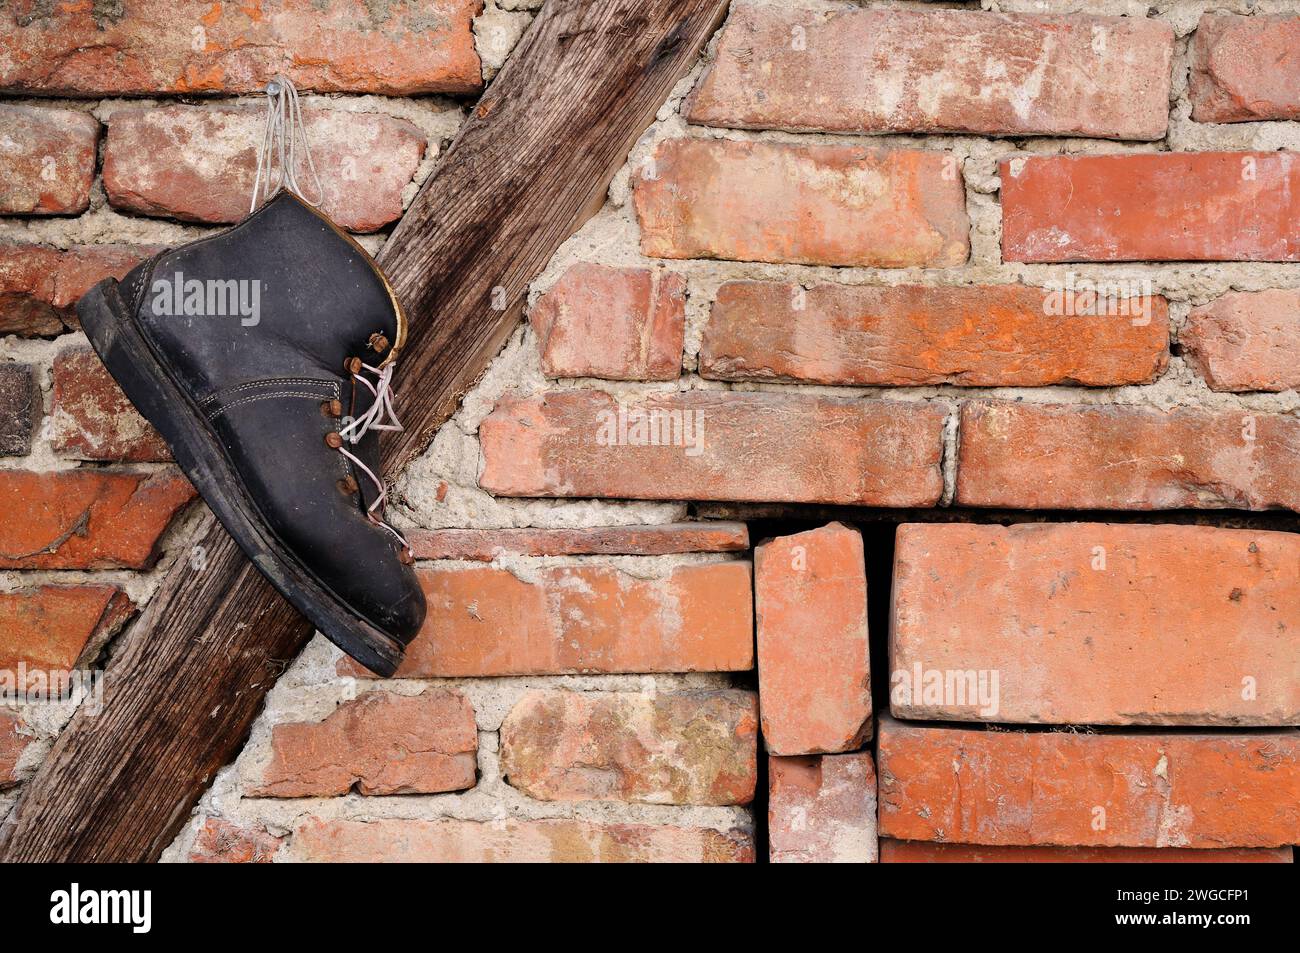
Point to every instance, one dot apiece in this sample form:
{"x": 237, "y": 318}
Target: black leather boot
{"x": 263, "y": 356}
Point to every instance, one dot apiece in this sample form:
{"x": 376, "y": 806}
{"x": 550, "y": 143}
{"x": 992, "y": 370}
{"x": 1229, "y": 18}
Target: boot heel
{"x": 148, "y": 383}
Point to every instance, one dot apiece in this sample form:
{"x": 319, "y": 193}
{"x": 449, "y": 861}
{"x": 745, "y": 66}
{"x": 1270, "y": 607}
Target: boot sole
{"x": 150, "y": 385}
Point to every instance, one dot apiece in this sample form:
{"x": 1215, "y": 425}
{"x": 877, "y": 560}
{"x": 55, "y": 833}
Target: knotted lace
{"x": 277, "y": 159}
{"x": 380, "y": 416}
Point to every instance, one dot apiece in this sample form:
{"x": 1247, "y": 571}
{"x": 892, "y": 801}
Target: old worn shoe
{"x": 264, "y": 357}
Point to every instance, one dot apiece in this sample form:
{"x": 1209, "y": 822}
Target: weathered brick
{"x": 380, "y": 743}
{"x": 927, "y": 852}
{"x": 54, "y": 629}
{"x": 86, "y": 519}
{"x": 712, "y": 445}
{"x": 563, "y": 619}
{"x": 982, "y": 335}
{"x": 14, "y": 739}
{"x": 814, "y": 674}
{"x": 623, "y": 324}
{"x": 846, "y": 69}
{"x": 39, "y": 286}
{"x": 1092, "y": 623}
{"x": 194, "y": 46}
{"x": 1245, "y": 68}
{"x": 199, "y": 163}
{"x": 806, "y": 204}
{"x": 20, "y": 407}
{"x": 1064, "y": 456}
{"x": 1244, "y": 341}
{"x": 91, "y": 419}
{"x": 485, "y": 545}
{"x": 221, "y": 842}
{"x": 822, "y": 809}
{"x": 1165, "y": 206}
{"x": 516, "y": 841}
{"x": 48, "y": 160}
{"x": 680, "y": 748}
{"x": 1105, "y": 790}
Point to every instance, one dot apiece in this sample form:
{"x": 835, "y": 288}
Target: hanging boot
{"x": 264, "y": 356}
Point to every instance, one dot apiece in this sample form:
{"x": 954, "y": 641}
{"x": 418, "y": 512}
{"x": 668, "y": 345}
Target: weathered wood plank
{"x": 530, "y": 165}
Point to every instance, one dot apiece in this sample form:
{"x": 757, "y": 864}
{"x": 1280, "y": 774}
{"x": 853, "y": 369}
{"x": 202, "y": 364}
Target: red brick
{"x": 86, "y": 519}
{"x": 92, "y": 419}
{"x": 981, "y": 335}
{"x": 1091, "y": 623}
{"x": 54, "y": 629}
{"x": 564, "y": 619}
{"x": 199, "y": 163}
{"x": 221, "y": 842}
{"x": 1166, "y": 206}
{"x": 681, "y": 748}
{"x": 485, "y": 545}
{"x": 814, "y": 673}
{"x": 846, "y": 69}
{"x": 623, "y": 324}
{"x": 14, "y": 739}
{"x": 379, "y": 743}
{"x": 48, "y": 160}
{"x": 923, "y": 852}
{"x": 194, "y": 46}
{"x": 1245, "y": 68}
{"x": 1063, "y": 456}
{"x": 1246, "y": 341}
{"x": 729, "y": 446}
{"x": 1107, "y": 790}
{"x": 822, "y": 809}
{"x": 806, "y": 204}
{"x": 516, "y": 841}
{"x": 20, "y": 408}
{"x": 39, "y": 286}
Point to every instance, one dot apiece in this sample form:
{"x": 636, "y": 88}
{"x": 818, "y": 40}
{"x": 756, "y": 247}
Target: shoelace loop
{"x": 380, "y": 416}
{"x": 277, "y": 159}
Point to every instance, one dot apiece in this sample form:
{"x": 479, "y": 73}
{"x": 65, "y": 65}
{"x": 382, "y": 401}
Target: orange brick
{"x": 822, "y": 809}
{"x": 151, "y": 166}
{"x": 715, "y": 445}
{"x": 221, "y": 842}
{"x": 39, "y": 286}
{"x": 807, "y": 204}
{"x": 195, "y": 46}
{"x": 814, "y": 674}
{"x": 1244, "y": 341}
{"x": 563, "y": 619}
{"x": 923, "y": 852}
{"x": 1089, "y": 790}
{"x": 1091, "y": 623}
{"x": 1063, "y": 456}
{"x": 981, "y": 335}
{"x": 485, "y": 545}
{"x": 48, "y": 161}
{"x": 680, "y": 748}
{"x": 50, "y": 630}
{"x": 380, "y": 743}
{"x": 86, "y": 519}
{"x": 1245, "y": 68}
{"x": 91, "y": 419}
{"x": 846, "y": 69}
{"x": 516, "y": 841}
{"x": 1165, "y": 206}
{"x": 623, "y": 324}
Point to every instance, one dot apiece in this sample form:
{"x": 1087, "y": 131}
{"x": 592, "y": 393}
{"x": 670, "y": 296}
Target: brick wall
{"x": 927, "y": 368}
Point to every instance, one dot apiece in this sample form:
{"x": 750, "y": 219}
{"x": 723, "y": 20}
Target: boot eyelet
{"x": 333, "y": 440}
{"x": 406, "y": 557}
{"x": 378, "y": 343}
{"x": 332, "y": 408}
{"x": 352, "y": 365}
{"x": 347, "y": 486}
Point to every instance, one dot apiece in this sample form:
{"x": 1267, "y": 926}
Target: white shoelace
{"x": 277, "y": 159}
{"x": 380, "y": 416}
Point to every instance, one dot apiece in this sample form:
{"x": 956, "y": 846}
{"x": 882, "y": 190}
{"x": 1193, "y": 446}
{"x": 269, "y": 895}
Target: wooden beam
{"x": 531, "y": 164}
